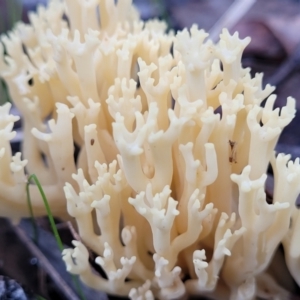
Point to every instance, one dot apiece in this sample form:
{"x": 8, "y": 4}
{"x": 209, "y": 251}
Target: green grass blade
{"x": 4, "y": 94}
{"x": 35, "y": 229}
{"x": 48, "y": 209}
{"x": 34, "y": 178}
{"x": 163, "y": 11}
{"x": 38, "y": 297}
{"x": 13, "y": 12}
{"x": 78, "y": 286}
{"x": 10, "y": 13}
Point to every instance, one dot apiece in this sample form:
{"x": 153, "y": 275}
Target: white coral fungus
{"x": 173, "y": 151}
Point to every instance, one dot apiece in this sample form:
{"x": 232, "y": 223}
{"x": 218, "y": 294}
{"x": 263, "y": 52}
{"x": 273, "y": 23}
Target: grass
{"x": 10, "y": 13}
{"x": 34, "y": 178}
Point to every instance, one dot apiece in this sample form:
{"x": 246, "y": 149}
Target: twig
{"x": 291, "y": 64}
{"x": 57, "y": 279}
{"x": 34, "y": 178}
{"x": 75, "y": 235}
{"x": 233, "y": 14}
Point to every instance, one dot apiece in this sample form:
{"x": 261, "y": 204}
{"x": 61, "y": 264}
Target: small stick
{"x": 233, "y": 14}
{"x": 290, "y": 65}
{"x": 75, "y": 235}
{"x": 46, "y": 265}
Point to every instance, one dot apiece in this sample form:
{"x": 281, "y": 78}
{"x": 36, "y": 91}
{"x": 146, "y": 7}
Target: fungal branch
{"x": 172, "y": 147}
